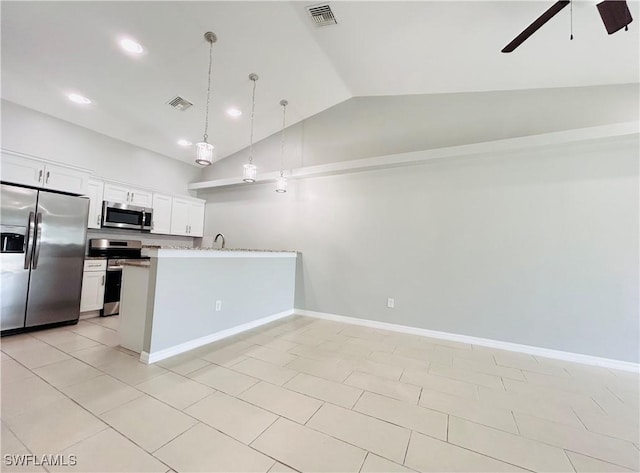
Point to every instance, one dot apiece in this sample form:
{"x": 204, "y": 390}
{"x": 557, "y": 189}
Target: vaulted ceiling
{"x": 377, "y": 48}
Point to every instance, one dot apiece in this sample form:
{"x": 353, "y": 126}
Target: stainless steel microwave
{"x": 116, "y": 215}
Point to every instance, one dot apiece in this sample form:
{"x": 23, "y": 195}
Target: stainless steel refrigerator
{"x": 42, "y": 257}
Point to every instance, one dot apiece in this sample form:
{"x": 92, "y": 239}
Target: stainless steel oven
{"x": 116, "y": 215}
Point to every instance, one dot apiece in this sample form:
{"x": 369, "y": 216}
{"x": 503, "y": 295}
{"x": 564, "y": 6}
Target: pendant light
{"x": 249, "y": 170}
{"x": 204, "y": 150}
{"x": 281, "y": 182}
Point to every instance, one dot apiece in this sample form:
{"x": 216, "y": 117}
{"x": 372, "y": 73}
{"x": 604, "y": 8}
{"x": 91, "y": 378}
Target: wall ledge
{"x": 485, "y": 342}
{"x": 419, "y": 157}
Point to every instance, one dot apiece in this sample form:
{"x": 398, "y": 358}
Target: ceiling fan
{"x": 615, "y": 15}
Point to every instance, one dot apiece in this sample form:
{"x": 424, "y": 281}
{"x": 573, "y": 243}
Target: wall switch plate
{"x": 218, "y": 306}
{"x": 391, "y": 303}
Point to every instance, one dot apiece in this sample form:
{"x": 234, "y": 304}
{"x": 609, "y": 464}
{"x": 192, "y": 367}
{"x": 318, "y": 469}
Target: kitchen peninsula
{"x": 183, "y": 298}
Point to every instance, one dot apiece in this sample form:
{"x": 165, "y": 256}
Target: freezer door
{"x": 58, "y": 259}
{"x": 17, "y": 204}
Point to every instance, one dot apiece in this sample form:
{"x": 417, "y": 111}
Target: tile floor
{"x": 311, "y": 395}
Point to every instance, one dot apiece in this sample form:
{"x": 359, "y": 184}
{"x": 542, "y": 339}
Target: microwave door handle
{"x": 28, "y": 249}
{"x": 36, "y": 246}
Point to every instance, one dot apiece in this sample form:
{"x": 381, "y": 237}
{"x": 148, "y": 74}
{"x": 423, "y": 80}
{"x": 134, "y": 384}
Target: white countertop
{"x": 186, "y": 252}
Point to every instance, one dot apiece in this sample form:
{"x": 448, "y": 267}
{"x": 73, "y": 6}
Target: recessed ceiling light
{"x": 234, "y": 112}
{"x": 77, "y": 98}
{"x": 184, "y": 143}
{"x": 131, "y": 46}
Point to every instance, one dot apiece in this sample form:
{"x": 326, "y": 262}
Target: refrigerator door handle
{"x": 36, "y": 246}
{"x": 28, "y": 249}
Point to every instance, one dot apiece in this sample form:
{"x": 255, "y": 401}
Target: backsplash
{"x": 146, "y": 238}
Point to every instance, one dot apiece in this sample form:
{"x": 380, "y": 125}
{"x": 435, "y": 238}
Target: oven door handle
{"x": 114, "y": 268}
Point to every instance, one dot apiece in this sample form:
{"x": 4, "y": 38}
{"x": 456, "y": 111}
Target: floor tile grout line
{"x": 566, "y": 454}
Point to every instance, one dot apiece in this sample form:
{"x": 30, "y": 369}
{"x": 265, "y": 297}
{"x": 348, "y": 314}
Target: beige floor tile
{"x": 223, "y": 379}
{"x": 331, "y": 370}
{"x": 266, "y": 371}
{"x": 280, "y": 468}
{"x": 100, "y": 355}
{"x": 585, "y": 464}
{"x": 234, "y": 417}
{"x": 514, "y": 402}
{"x": 582, "y": 441}
{"x": 183, "y": 364}
{"x": 67, "y": 372}
{"x": 375, "y": 464}
{"x": 440, "y": 383}
{"x": 22, "y": 395}
{"x": 488, "y": 368}
{"x": 101, "y": 394}
{"x": 281, "y": 401}
{"x": 399, "y": 360}
{"x": 553, "y": 396}
{"x": 567, "y": 383}
{"x": 36, "y": 357}
{"x": 132, "y": 371}
{"x": 54, "y": 427}
{"x": 224, "y": 356}
{"x": 395, "y": 389}
{"x": 429, "y": 454}
{"x": 148, "y": 422}
{"x": 108, "y": 451}
{"x": 308, "y": 450}
{"x": 401, "y": 413}
{"x": 467, "y": 376}
{"x": 325, "y": 390}
{"x": 625, "y": 428}
{"x": 271, "y": 355}
{"x": 11, "y": 370}
{"x": 16, "y": 464}
{"x": 112, "y": 322}
{"x": 387, "y": 440}
{"x": 507, "y": 447}
{"x": 528, "y": 363}
{"x": 279, "y": 344}
{"x": 175, "y": 390}
{"x": 98, "y": 333}
{"x": 65, "y": 340}
{"x": 9, "y": 442}
{"x": 468, "y": 409}
{"x": 203, "y": 449}
{"x": 378, "y": 369}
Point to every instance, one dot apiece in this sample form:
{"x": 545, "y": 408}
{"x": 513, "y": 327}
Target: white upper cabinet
{"x": 187, "y": 217}
{"x": 123, "y": 194}
{"x": 161, "y": 213}
{"x": 31, "y": 172}
{"x": 95, "y": 192}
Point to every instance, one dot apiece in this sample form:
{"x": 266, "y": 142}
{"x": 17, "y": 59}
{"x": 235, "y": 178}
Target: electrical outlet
{"x": 391, "y": 303}
{"x": 218, "y": 306}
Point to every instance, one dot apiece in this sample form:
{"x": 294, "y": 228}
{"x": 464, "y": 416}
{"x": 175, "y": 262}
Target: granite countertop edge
{"x": 158, "y": 247}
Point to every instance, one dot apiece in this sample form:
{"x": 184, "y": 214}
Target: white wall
{"x": 30, "y": 132}
{"x": 537, "y": 247}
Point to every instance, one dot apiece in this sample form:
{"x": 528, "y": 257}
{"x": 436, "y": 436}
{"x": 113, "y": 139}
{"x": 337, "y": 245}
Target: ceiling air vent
{"x": 322, "y": 15}
{"x": 179, "y": 103}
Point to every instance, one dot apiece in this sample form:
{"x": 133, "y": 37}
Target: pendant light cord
{"x": 284, "y": 116}
{"x": 206, "y": 115}
{"x": 253, "y": 109}
{"x": 571, "y": 5}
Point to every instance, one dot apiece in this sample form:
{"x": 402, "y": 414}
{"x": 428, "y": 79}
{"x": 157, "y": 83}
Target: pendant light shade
{"x": 281, "y": 185}
{"x": 281, "y": 182}
{"x": 249, "y": 173}
{"x": 204, "y": 150}
{"x": 249, "y": 170}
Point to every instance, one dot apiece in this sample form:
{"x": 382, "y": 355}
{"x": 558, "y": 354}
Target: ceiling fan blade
{"x": 536, "y": 25}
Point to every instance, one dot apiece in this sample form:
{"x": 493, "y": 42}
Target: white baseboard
{"x": 485, "y": 342}
{"x": 198, "y": 342}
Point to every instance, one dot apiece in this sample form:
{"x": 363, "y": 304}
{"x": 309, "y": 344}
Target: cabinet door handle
{"x": 48, "y": 175}
{"x": 40, "y": 175}
{"x": 128, "y": 193}
{"x": 98, "y": 219}
{"x": 103, "y": 279}
{"x": 132, "y": 194}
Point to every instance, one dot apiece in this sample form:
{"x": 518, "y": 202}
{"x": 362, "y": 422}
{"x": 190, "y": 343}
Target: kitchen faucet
{"x": 215, "y": 240}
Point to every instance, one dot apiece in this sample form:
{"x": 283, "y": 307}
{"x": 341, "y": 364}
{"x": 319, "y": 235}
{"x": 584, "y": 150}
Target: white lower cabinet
{"x": 93, "y": 280}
